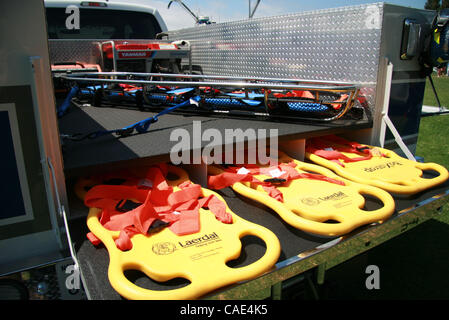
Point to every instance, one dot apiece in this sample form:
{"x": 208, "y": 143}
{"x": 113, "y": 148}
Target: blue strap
{"x": 180, "y": 91}
{"x": 306, "y": 107}
{"x": 223, "y": 102}
{"x": 140, "y": 126}
{"x": 251, "y": 95}
{"x": 66, "y": 103}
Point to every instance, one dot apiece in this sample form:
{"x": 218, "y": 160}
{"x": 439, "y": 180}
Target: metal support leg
{"x": 312, "y": 287}
{"x": 320, "y": 273}
{"x": 276, "y": 291}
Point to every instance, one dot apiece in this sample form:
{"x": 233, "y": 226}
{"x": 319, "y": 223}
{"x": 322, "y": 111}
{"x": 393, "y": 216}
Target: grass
{"x": 414, "y": 265}
{"x": 442, "y": 88}
{"x": 433, "y": 144}
{"x": 433, "y": 140}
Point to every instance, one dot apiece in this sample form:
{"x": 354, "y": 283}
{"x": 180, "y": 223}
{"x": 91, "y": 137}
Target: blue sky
{"x": 230, "y": 10}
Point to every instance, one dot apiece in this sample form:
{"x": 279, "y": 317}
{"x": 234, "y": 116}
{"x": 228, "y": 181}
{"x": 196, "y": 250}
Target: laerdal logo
{"x": 310, "y": 201}
{"x": 383, "y": 166}
{"x": 316, "y": 201}
{"x": 163, "y": 248}
{"x": 334, "y": 196}
{"x": 195, "y": 241}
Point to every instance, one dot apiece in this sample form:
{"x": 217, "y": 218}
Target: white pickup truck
{"x": 109, "y": 36}
{"x": 103, "y": 20}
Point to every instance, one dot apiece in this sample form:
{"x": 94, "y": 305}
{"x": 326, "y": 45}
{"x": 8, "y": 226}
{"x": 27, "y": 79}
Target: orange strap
{"x": 286, "y": 172}
{"x": 324, "y": 147}
{"x": 295, "y": 94}
{"x": 178, "y": 210}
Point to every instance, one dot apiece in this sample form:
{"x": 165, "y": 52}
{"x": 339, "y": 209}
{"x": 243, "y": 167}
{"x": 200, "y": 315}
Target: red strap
{"x": 129, "y": 87}
{"x": 123, "y": 242}
{"x": 324, "y": 147}
{"x": 227, "y": 179}
{"x": 274, "y": 193}
{"x": 93, "y": 239}
{"x": 100, "y": 196}
{"x": 180, "y": 209}
{"x": 296, "y": 94}
{"x": 339, "y": 140}
{"x": 342, "y": 98}
{"x": 187, "y": 223}
{"x": 188, "y": 192}
{"x": 231, "y": 175}
{"x": 217, "y": 207}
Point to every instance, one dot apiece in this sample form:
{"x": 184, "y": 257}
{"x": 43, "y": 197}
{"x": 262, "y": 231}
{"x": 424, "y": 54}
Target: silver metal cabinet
{"x": 33, "y": 183}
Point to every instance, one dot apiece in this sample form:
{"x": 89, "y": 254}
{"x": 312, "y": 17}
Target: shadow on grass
{"x": 412, "y": 266}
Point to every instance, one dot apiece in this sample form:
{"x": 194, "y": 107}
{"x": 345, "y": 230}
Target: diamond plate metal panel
{"x": 86, "y": 51}
{"x": 340, "y": 44}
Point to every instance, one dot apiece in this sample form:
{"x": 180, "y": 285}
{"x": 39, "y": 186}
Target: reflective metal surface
{"x": 336, "y": 44}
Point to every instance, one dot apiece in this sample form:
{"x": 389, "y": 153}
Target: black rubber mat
{"x": 156, "y": 144}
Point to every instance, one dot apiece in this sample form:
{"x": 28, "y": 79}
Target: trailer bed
{"x": 300, "y": 251}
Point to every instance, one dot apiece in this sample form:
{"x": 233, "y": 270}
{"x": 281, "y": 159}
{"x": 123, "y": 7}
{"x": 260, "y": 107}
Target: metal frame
{"x": 244, "y": 83}
{"x": 50, "y": 149}
{"x": 235, "y": 82}
{"x": 385, "y": 121}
